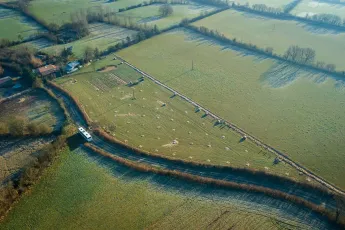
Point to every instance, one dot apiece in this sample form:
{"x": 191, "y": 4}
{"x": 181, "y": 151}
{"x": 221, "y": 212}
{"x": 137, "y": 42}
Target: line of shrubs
{"x": 258, "y": 173}
{"x": 73, "y": 100}
{"x": 218, "y": 183}
{"x": 268, "y": 51}
{"x": 12, "y": 191}
{"x": 330, "y": 21}
{"x": 19, "y": 126}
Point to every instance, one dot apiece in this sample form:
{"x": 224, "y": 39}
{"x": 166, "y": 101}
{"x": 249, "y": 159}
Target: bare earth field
{"x": 298, "y": 112}
{"x": 279, "y": 34}
{"x": 126, "y": 199}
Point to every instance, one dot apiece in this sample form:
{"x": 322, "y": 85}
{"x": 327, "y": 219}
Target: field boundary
{"x": 234, "y": 127}
{"x": 216, "y": 182}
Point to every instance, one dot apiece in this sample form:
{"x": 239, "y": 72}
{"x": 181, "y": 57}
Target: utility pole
{"x": 192, "y": 64}
{"x": 133, "y": 96}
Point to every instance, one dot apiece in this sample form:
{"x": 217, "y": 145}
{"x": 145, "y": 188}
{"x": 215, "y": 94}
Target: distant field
{"x": 60, "y": 11}
{"x": 271, "y": 3}
{"x": 279, "y": 34}
{"x": 150, "y": 14}
{"x": 101, "y": 36}
{"x": 35, "y": 106}
{"x": 298, "y": 112}
{"x": 76, "y": 193}
{"x": 146, "y": 122}
{"x": 311, "y": 7}
{"x": 13, "y": 24}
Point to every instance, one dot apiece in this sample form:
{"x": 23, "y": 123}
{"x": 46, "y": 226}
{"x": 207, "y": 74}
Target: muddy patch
{"x": 107, "y": 68}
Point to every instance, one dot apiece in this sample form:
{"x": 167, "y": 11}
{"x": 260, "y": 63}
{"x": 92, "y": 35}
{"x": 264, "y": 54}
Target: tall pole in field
{"x": 192, "y": 64}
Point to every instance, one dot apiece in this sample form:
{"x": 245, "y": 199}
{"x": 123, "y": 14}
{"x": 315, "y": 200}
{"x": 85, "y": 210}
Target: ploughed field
{"x": 279, "y": 34}
{"x": 125, "y": 199}
{"x": 312, "y": 7}
{"x": 298, "y": 112}
{"x": 101, "y": 36}
{"x": 60, "y": 11}
{"x": 150, "y": 14}
{"x": 149, "y": 117}
{"x": 13, "y": 24}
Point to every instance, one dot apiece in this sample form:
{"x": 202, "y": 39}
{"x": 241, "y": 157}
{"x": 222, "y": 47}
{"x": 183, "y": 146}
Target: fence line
{"x": 234, "y": 127}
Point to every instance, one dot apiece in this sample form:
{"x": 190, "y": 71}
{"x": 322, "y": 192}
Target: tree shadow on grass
{"x": 248, "y": 200}
{"x": 200, "y": 39}
{"x": 282, "y": 74}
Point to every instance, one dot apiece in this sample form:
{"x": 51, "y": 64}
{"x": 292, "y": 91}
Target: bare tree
{"x": 165, "y": 10}
{"x": 1, "y": 70}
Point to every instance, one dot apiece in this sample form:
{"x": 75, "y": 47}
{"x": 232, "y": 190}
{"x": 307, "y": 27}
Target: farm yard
{"x": 148, "y": 117}
{"x": 15, "y": 26}
{"x": 60, "y": 11}
{"x": 131, "y": 109}
{"x": 312, "y": 7}
{"x": 150, "y": 14}
{"x": 297, "y": 111}
{"x": 279, "y": 34}
{"x": 35, "y": 106}
{"x": 101, "y": 36}
{"x": 126, "y": 199}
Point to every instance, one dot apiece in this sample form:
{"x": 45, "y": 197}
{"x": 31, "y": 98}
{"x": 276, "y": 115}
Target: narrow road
{"x": 281, "y": 155}
{"x": 309, "y": 194}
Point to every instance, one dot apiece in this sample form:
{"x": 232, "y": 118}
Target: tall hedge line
{"x": 218, "y": 183}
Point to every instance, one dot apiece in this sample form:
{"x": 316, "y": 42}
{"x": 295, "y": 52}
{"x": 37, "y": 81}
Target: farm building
{"x": 47, "y": 70}
{"x": 72, "y": 66}
{"x": 6, "y": 82}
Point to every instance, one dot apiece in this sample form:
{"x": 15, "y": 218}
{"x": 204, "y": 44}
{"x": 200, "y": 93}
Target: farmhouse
{"x": 6, "y": 82}
{"x": 72, "y": 66}
{"x": 47, "y": 70}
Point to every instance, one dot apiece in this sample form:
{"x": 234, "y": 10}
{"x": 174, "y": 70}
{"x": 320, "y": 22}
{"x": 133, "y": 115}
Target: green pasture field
{"x": 76, "y": 193}
{"x": 101, "y": 36}
{"x": 145, "y": 122}
{"x": 311, "y": 7}
{"x": 271, "y": 3}
{"x": 36, "y": 106}
{"x": 279, "y": 34}
{"x": 150, "y": 14}
{"x": 13, "y": 24}
{"x": 298, "y": 112}
{"x": 60, "y": 11}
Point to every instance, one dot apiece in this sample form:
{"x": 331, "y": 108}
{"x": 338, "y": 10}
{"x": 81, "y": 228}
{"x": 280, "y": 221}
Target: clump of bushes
{"x": 19, "y": 126}
{"x": 12, "y": 191}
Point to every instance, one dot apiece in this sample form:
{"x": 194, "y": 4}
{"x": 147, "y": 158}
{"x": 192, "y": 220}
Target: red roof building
{"x": 47, "y": 70}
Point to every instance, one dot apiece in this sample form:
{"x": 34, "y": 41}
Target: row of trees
{"x": 221, "y": 3}
{"x": 267, "y": 9}
{"x": 19, "y": 126}
{"x": 327, "y": 18}
{"x": 21, "y": 61}
{"x": 295, "y": 54}
{"x": 12, "y": 191}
